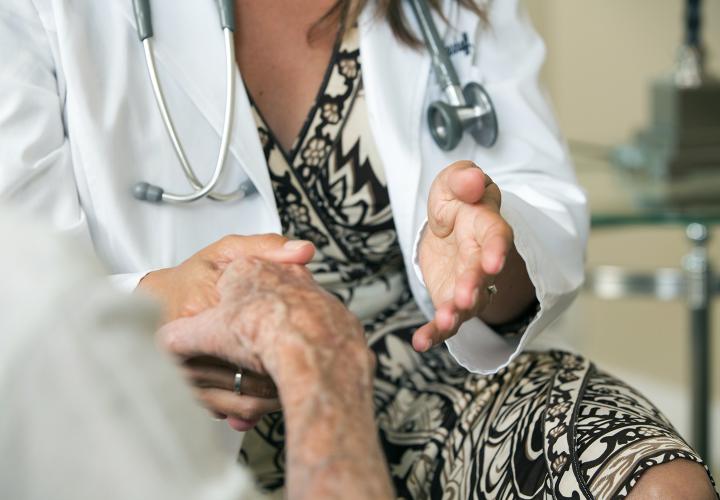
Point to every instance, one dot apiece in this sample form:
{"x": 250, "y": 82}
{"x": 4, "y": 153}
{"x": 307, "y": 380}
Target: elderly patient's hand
{"x": 191, "y": 287}
{"x": 274, "y": 319}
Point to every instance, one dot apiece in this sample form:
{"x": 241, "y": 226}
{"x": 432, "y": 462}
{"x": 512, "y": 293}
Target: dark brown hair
{"x": 348, "y": 11}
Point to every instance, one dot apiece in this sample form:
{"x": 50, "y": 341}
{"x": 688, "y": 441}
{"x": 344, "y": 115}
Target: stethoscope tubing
{"x": 201, "y": 190}
{"x": 145, "y": 33}
{"x": 442, "y": 67}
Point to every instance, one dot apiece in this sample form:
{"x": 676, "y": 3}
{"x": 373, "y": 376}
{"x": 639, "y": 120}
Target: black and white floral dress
{"x": 550, "y": 425}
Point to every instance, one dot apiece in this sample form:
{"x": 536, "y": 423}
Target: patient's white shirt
{"x": 89, "y": 408}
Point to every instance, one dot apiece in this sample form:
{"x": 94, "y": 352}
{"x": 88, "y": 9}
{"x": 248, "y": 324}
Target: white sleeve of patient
{"x": 90, "y": 408}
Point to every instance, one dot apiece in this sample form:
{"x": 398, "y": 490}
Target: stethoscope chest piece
{"x": 447, "y": 122}
{"x": 484, "y": 128}
{"x": 467, "y": 108}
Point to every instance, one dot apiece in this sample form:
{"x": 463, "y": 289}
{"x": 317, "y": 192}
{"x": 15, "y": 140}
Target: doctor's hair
{"x": 347, "y": 13}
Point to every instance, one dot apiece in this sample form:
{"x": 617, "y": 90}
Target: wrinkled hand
{"x": 274, "y": 319}
{"x": 463, "y": 249}
{"x": 189, "y": 289}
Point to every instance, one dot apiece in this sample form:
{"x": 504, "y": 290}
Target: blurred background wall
{"x": 602, "y": 56}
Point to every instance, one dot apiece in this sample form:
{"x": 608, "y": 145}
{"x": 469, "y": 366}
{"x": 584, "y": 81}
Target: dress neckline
{"x": 298, "y": 141}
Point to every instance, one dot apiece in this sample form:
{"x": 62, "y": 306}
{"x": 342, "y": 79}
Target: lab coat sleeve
{"x": 36, "y": 169}
{"x": 36, "y": 164}
{"x": 541, "y": 199}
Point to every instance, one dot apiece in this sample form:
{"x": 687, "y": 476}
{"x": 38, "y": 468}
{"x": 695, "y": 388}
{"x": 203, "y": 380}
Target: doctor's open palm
{"x": 466, "y": 248}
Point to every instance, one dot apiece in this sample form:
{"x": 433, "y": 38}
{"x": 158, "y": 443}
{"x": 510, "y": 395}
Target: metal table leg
{"x": 699, "y": 277}
{"x": 694, "y": 284}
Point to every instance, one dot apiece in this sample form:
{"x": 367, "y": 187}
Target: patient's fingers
{"x": 248, "y": 408}
{"x": 207, "y": 376}
{"x": 191, "y": 337}
{"x": 205, "y": 372}
{"x": 254, "y": 384}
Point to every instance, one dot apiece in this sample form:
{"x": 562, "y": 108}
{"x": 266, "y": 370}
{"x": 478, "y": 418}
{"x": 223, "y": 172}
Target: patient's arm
{"x": 274, "y": 319}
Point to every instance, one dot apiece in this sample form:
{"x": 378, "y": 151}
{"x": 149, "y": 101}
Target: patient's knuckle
{"x": 169, "y": 341}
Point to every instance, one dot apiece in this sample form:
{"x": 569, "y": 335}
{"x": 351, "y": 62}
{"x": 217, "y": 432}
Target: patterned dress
{"x": 550, "y": 425}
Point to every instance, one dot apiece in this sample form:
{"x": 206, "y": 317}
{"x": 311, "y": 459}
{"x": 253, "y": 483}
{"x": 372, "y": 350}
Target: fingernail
{"x": 293, "y": 245}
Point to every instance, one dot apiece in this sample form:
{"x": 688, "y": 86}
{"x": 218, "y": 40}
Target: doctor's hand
{"x": 190, "y": 288}
{"x": 466, "y": 253}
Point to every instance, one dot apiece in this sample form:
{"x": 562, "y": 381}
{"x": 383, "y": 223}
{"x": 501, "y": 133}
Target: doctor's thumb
{"x": 293, "y": 252}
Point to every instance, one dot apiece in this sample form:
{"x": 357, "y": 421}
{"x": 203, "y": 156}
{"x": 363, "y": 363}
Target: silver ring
{"x": 238, "y": 382}
{"x": 492, "y": 289}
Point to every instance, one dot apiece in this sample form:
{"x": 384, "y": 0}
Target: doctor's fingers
{"x": 437, "y": 330}
{"x": 273, "y": 247}
{"x": 494, "y": 237}
{"x": 232, "y": 405}
{"x": 447, "y": 321}
{"x": 459, "y": 184}
{"x": 213, "y": 376}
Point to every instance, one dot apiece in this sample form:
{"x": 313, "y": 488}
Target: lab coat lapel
{"x": 190, "y": 51}
{"x": 394, "y": 79}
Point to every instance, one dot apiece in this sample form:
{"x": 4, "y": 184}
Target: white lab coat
{"x": 79, "y": 126}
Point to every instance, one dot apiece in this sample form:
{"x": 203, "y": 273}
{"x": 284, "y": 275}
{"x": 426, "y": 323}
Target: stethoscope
{"x": 467, "y": 108}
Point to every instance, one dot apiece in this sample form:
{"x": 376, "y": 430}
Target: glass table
{"x": 620, "y": 198}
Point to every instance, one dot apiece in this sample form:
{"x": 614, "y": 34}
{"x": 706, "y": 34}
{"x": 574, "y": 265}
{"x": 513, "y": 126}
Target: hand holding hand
{"x": 189, "y": 289}
{"x": 274, "y": 319}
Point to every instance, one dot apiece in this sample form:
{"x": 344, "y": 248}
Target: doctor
{"x": 358, "y": 175}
